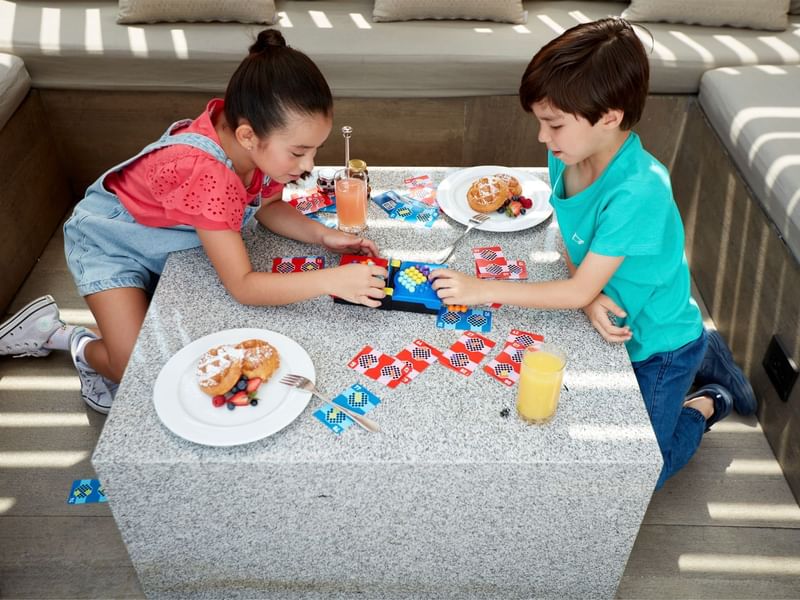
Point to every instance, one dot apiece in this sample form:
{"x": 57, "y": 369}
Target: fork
{"x": 304, "y": 383}
{"x": 474, "y": 221}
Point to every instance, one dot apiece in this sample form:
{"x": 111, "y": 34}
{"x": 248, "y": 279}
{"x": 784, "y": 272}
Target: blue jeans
{"x": 665, "y": 379}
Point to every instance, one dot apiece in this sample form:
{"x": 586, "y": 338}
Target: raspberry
{"x": 526, "y": 202}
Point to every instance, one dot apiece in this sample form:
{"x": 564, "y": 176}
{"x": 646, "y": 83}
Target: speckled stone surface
{"x": 451, "y": 500}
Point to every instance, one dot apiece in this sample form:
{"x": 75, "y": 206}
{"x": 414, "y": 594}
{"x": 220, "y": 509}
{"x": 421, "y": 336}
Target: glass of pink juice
{"x": 351, "y": 200}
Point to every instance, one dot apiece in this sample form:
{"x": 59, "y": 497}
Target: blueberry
{"x": 522, "y": 211}
{"x": 241, "y": 385}
{"x": 502, "y": 209}
{"x": 515, "y": 197}
{"x": 254, "y": 402}
{"x": 230, "y": 405}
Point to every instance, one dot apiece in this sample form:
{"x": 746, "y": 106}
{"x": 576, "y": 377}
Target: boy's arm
{"x": 579, "y": 290}
{"x": 228, "y": 254}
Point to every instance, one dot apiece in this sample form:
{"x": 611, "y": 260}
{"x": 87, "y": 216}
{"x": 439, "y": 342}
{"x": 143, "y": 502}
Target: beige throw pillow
{"x": 504, "y": 11}
{"x": 753, "y": 14}
{"x": 157, "y": 11}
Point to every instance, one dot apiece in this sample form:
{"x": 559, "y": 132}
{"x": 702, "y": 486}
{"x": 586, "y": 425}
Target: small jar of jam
{"x": 325, "y": 180}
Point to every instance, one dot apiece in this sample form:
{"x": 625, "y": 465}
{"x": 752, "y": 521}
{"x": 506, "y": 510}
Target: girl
{"x": 199, "y": 184}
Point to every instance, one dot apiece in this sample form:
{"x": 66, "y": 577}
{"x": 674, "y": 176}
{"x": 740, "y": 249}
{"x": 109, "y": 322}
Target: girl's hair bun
{"x": 266, "y": 39}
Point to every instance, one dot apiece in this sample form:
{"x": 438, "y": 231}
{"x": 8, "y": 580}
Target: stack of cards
{"x": 357, "y": 398}
{"x": 310, "y": 201}
{"x": 466, "y": 353}
{"x": 490, "y": 263}
{"x": 406, "y": 209}
{"x": 505, "y": 366}
{"x": 421, "y": 188}
{"x": 297, "y": 264}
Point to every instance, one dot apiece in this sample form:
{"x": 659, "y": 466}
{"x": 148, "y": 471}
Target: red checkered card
{"x": 381, "y": 367}
{"x": 490, "y": 263}
{"x": 505, "y": 366}
{"x": 297, "y": 264}
{"x": 310, "y": 201}
{"x": 524, "y": 338}
{"x": 466, "y": 353}
{"x": 417, "y": 356}
{"x": 421, "y": 188}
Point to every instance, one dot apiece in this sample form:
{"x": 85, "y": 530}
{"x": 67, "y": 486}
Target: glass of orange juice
{"x": 540, "y": 377}
{"x": 351, "y": 200}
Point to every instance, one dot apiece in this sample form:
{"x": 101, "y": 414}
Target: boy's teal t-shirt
{"x": 629, "y": 211}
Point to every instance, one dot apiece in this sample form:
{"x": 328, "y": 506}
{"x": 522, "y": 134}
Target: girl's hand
{"x": 360, "y": 283}
{"x": 454, "y": 287}
{"x": 347, "y": 243}
{"x": 598, "y": 310}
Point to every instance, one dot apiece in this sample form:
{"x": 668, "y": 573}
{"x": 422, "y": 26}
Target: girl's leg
{"x": 119, "y": 313}
{"x": 664, "y": 379}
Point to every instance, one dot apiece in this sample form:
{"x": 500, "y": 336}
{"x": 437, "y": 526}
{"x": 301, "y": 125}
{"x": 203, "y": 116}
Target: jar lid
{"x": 356, "y": 164}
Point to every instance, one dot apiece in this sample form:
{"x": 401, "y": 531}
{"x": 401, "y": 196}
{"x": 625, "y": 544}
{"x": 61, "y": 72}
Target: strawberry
{"x": 526, "y": 202}
{"x": 513, "y": 208}
{"x": 218, "y": 400}
{"x": 253, "y": 385}
{"x": 240, "y": 399}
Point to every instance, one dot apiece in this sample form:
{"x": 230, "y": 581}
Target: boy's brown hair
{"x": 590, "y": 69}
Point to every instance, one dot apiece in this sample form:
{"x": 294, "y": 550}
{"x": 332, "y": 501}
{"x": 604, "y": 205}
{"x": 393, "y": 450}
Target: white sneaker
{"x": 96, "y": 390}
{"x": 26, "y": 332}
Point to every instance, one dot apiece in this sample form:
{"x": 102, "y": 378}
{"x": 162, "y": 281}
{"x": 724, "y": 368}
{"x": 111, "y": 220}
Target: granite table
{"x": 451, "y": 500}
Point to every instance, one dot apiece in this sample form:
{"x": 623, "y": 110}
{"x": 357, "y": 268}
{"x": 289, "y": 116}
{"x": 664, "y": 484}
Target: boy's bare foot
{"x": 713, "y": 401}
{"x": 704, "y": 404}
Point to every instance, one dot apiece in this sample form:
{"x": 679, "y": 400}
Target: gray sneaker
{"x": 26, "y": 332}
{"x": 96, "y": 390}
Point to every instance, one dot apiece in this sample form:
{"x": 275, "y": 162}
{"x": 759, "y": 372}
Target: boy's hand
{"x": 359, "y": 283}
{"x": 454, "y": 287}
{"x": 347, "y": 243}
{"x": 598, "y": 310}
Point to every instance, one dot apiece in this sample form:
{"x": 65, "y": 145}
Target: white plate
{"x": 452, "y": 197}
{"x": 187, "y": 411}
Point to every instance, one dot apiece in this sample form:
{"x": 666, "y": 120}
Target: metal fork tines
{"x": 474, "y": 220}
{"x": 304, "y": 383}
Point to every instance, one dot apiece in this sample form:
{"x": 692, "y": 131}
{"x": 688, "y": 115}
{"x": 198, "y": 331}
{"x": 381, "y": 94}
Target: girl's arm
{"x": 226, "y": 250}
{"x": 579, "y": 290}
{"x": 285, "y": 220}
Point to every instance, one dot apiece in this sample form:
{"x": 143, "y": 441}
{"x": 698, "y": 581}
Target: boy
{"x": 621, "y": 228}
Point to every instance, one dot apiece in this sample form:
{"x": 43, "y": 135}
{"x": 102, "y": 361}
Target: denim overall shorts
{"x": 106, "y": 248}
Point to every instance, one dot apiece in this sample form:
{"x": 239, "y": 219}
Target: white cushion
{"x": 504, "y": 11}
{"x": 14, "y": 85}
{"x": 760, "y": 14}
{"x": 756, "y": 112}
{"x": 170, "y": 11}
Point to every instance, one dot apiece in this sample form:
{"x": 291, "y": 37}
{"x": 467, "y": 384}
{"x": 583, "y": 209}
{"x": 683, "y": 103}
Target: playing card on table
{"x": 517, "y": 270}
{"x": 505, "y": 366}
{"x": 407, "y": 209}
{"x": 357, "y": 398}
{"x": 417, "y": 356}
{"x": 490, "y": 263}
{"x": 310, "y": 201}
{"x": 297, "y": 264}
{"x": 421, "y": 188}
{"x": 466, "y": 353}
{"x": 381, "y": 367}
{"x": 471, "y": 319}
{"x": 524, "y": 338}
{"x": 333, "y": 418}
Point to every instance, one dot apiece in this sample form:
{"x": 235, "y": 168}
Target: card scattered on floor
{"x": 86, "y": 491}
{"x": 462, "y": 318}
{"x": 357, "y": 398}
{"x": 297, "y": 264}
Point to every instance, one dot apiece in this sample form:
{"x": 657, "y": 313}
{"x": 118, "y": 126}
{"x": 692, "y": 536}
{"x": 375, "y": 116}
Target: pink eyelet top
{"x": 182, "y": 185}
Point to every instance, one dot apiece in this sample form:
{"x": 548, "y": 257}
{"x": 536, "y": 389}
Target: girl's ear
{"x": 612, "y": 118}
{"x": 246, "y": 136}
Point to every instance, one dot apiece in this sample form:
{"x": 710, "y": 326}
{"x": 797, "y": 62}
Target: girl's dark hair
{"x": 589, "y": 70}
{"x": 271, "y": 81}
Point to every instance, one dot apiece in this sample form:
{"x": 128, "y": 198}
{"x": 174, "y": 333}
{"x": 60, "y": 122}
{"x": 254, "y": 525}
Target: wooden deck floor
{"x": 726, "y": 527}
